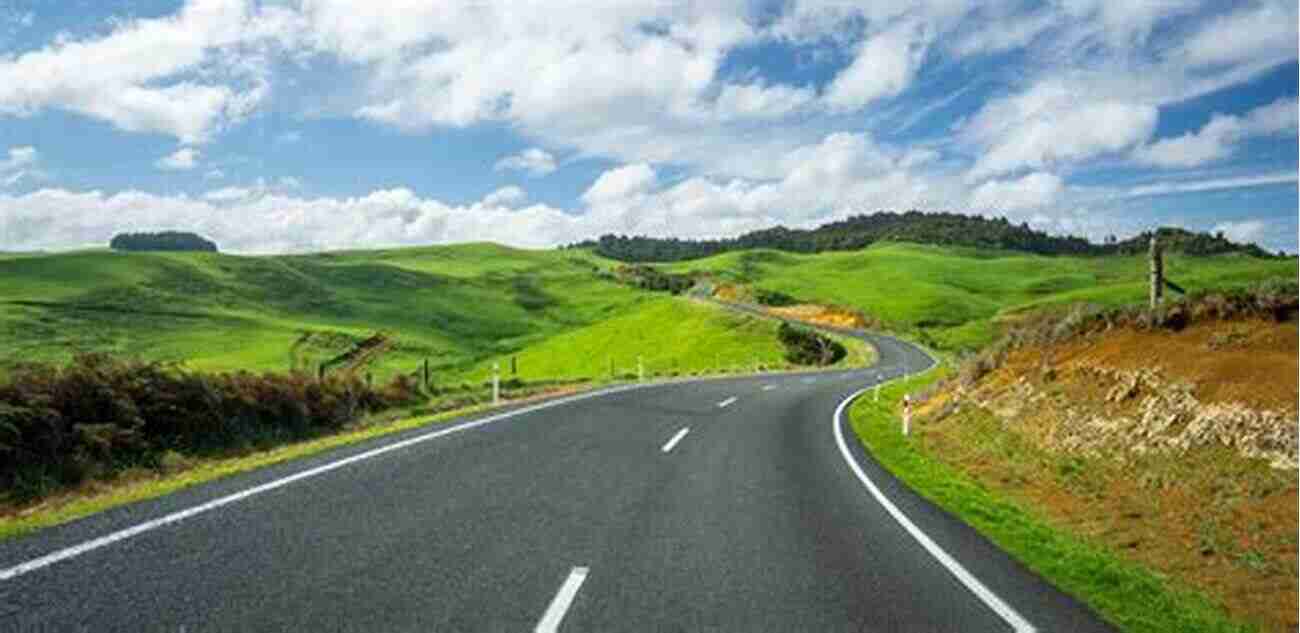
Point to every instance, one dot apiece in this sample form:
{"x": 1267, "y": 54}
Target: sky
{"x": 293, "y": 126}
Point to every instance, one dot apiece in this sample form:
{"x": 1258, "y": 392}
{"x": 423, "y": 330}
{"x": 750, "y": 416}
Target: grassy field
{"x": 956, "y": 295}
{"x": 462, "y": 306}
{"x": 1123, "y": 592}
{"x": 455, "y": 305}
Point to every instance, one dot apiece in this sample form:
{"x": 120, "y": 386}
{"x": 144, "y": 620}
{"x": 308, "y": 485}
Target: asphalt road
{"x": 596, "y": 513}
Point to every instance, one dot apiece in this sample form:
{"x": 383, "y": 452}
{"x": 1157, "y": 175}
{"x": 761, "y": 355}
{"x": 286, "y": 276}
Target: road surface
{"x": 720, "y": 505}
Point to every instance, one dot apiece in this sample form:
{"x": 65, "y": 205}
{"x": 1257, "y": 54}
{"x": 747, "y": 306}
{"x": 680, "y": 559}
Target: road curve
{"x": 655, "y": 508}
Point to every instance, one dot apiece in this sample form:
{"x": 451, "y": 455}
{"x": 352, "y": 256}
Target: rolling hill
{"x": 956, "y": 294}
{"x": 459, "y": 306}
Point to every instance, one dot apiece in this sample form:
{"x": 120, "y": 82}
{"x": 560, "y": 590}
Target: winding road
{"x": 738, "y": 504}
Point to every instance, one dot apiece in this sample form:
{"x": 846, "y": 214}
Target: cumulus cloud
{"x": 1262, "y": 30}
{"x": 1036, "y": 190}
{"x": 1245, "y": 231}
{"x": 508, "y": 196}
{"x": 1053, "y": 123}
{"x": 253, "y": 221}
{"x": 534, "y": 161}
{"x": 620, "y": 183}
{"x": 186, "y": 75}
{"x": 1219, "y": 137}
{"x": 183, "y": 159}
{"x": 885, "y": 65}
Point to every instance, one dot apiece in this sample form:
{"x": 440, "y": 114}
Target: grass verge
{"x": 142, "y": 484}
{"x": 1124, "y": 593}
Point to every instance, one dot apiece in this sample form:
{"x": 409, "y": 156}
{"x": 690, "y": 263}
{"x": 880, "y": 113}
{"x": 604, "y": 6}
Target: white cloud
{"x": 1244, "y": 231}
{"x": 1050, "y": 124}
{"x": 1264, "y": 30}
{"x": 1218, "y": 138}
{"x": 186, "y": 75}
{"x": 267, "y": 222}
{"x": 534, "y": 160}
{"x": 19, "y": 165}
{"x": 183, "y": 159}
{"x": 885, "y": 65}
{"x": 1033, "y": 191}
{"x": 508, "y": 196}
{"x": 620, "y": 183}
{"x": 1212, "y": 184}
{"x": 229, "y": 194}
{"x": 214, "y": 174}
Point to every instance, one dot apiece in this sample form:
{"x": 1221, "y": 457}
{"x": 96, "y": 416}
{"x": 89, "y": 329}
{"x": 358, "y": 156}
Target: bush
{"x": 60, "y": 425}
{"x": 806, "y": 347}
{"x": 773, "y": 298}
{"x": 163, "y": 241}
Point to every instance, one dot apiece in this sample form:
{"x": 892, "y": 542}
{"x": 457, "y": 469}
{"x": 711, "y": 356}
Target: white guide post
{"x": 907, "y": 414}
{"x": 496, "y": 383}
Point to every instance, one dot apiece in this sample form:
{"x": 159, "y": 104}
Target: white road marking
{"x": 768, "y": 387}
{"x": 1017, "y": 622}
{"x": 175, "y": 517}
{"x": 676, "y": 438}
{"x": 550, "y": 622}
{"x": 727, "y": 402}
{"x": 809, "y": 381}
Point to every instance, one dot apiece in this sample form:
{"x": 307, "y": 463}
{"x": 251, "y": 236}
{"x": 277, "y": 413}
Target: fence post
{"x": 496, "y": 383}
{"x": 514, "y": 365}
{"x": 1157, "y": 273}
{"x": 426, "y": 373}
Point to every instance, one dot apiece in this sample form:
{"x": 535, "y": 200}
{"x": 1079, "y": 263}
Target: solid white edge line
{"x": 726, "y": 402}
{"x": 120, "y": 535}
{"x": 676, "y": 438}
{"x": 1004, "y": 610}
{"x": 550, "y": 622}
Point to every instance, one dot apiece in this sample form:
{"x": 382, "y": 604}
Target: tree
{"x": 161, "y": 241}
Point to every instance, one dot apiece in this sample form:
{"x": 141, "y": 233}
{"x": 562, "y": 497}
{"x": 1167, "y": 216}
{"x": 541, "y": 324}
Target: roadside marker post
{"x": 640, "y": 369}
{"x": 907, "y": 414}
{"x": 496, "y": 383}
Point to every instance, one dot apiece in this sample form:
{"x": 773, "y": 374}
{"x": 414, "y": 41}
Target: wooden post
{"x": 426, "y": 373}
{"x": 514, "y": 365}
{"x": 1157, "y": 273}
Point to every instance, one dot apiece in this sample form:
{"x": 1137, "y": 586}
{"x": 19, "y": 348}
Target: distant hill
{"x": 948, "y": 229}
{"x": 162, "y": 241}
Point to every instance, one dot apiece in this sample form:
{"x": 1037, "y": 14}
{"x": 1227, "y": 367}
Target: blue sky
{"x": 282, "y": 126}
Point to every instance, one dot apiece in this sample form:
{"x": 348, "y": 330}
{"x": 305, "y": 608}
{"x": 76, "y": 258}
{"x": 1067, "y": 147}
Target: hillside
{"x": 955, "y": 296}
{"x": 945, "y": 229}
{"x": 456, "y": 305}
{"x": 1172, "y": 449}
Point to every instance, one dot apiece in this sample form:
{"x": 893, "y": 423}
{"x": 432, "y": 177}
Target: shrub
{"x": 806, "y": 347}
{"x": 59, "y": 425}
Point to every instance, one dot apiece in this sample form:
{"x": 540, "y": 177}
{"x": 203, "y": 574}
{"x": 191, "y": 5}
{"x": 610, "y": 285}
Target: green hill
{"x": 956, "y": 294}
{"x": 457, "y": 305}
{"x": 467, "y": 306}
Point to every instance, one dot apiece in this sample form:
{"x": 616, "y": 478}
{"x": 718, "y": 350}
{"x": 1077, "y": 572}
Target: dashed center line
{"x": 676, "y": 438}
{"x": 768, "y": 387}
{"x": 550, "y": 622}
{"x": 727, "y": 402}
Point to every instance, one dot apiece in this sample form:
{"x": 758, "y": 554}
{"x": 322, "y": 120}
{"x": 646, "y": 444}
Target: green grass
{"x": 1124, "y": 593}
{"x": 956, "y": 295}
{"x": 455, "y": 305}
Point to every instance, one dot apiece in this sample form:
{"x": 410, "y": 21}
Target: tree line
{"x": 162, "y": 241}
{"x": 948, "y": 229}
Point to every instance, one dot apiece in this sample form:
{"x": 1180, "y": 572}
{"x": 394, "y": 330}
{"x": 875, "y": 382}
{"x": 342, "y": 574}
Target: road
{"x": 716, "y": 505}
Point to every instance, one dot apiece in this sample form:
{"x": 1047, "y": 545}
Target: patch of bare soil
{"x": 1178, "y": 450}
{"x": 821, "y": 315}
